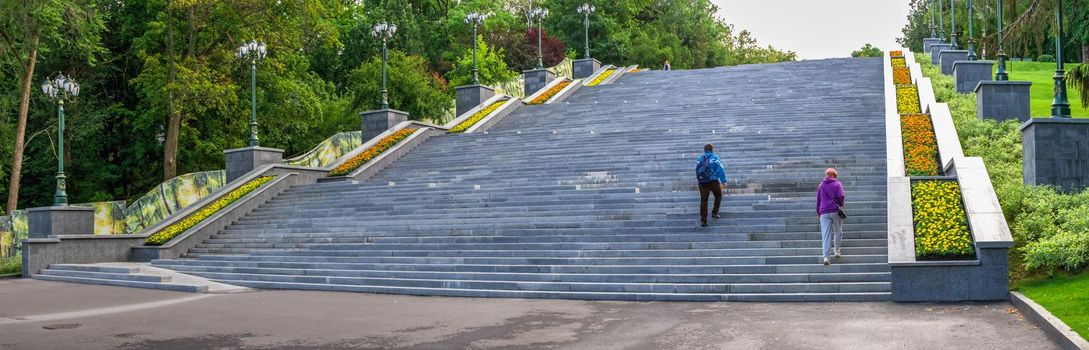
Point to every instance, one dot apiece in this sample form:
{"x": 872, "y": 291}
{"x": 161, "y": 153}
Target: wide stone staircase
{"x": 594, "y": 198}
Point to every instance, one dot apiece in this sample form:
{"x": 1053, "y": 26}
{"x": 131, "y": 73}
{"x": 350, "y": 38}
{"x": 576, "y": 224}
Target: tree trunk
{"x": 173, "y": 124}
{"x": 20, "y": 128}
{"x": 1085, "y": 53}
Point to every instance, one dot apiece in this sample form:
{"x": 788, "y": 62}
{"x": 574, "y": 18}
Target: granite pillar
{"x": 1003, "y": 100}
{"x": 44, "y": 222}
{"x": 1056, "y": 152}
{"x": 946, "y": 58}
{"x": 241, "y": 161}
{"x": 968, "y": 74}
{"x": 470, "y": 96}
{"x": 585, "y": 67}
{"x": 930, "y": 41}
{"x": 378, "y": 121}
{"x": 935, "y": 49}
{"x": 537, "y": 79}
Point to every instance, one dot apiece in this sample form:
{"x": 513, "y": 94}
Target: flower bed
{"x": 896, "y": 54}
{"x": 899, "y": 62}
{"x": 177, "y": 228}
{"x": 479, "y": 115}
{"x": 601, "y": 77}
{"x": 907, "y": 99}
{"x": 362, "y": 158}
{"x": 542, "y": 98}
{"x": 941, "y": 224}
{"x": 920, "y": 145}
{"x": 901, "y": 76}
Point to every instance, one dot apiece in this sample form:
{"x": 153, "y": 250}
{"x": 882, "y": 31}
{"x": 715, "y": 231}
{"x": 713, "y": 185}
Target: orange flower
{"x": 901, "y": 76}
{"x": 362, "y": 158}
{"x": 895, "y": 54}
{"x": 542, "y": 98}
{"x": 920, "y": 145}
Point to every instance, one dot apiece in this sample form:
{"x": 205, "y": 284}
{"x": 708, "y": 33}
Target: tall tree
{"x": 30, "y": 28}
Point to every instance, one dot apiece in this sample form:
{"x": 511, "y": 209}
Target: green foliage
{"x": 490, "y": 64}
{"x": 11, "y": 266}
{"x": 412, "y": 87}
{"x": 1045, "y": 58}
{"x": 1050, "y": 229}
{"x": 1064, "y": 297}
{"x": 868, "y": 51}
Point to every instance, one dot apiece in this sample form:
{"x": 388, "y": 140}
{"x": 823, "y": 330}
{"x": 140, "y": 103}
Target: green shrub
{"x": 11, "y": 266}
{"x": 1045, "y": 58}
{"x": 1050, "y": 228}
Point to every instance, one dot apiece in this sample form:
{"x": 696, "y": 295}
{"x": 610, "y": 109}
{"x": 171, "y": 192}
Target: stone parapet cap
{"x": 59, "y": 208}
{"x": 254, "y": 148}
{"x": 1051, "y": 120}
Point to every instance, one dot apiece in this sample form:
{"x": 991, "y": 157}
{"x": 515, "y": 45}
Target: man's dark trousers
{"x": 705, "y": 190}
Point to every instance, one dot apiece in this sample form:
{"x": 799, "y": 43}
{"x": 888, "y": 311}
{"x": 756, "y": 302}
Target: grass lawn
{"x": 1043, "y": 86}
{"x": 11, "y": 266}
{"x": 1066, "y": 297}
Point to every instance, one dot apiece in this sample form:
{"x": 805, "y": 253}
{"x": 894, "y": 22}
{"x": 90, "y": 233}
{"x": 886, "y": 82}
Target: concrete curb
{"x": 1054, "y": 327}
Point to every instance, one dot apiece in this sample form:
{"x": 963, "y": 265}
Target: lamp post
{"x": 971, "y": 34}
{"x": 475, "y": 19}
{"x": 253, "y": 51}
{"x": 1060, "y": 108}
{"x": 1000, "y": 74}
{"x": 931, "y": 7}
{"x": 60, "y": 89}
{"x": 538, "y": 14}
{"x": 941, "y": 19}
{"x": 953, "y": 25}
{"x": 385, "y": 31}
{"x": 586, "y": 9}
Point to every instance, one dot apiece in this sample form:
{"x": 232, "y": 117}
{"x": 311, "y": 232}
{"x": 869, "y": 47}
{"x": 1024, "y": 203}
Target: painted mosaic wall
{"x": 13, "y": 230}
{"x": 327, "y": 152}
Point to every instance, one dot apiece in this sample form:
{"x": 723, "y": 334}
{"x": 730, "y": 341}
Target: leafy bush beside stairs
{"x": 1050, "y": 228}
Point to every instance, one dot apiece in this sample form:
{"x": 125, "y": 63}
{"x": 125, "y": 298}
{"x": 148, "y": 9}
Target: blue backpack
{"x": 704, "y": 172}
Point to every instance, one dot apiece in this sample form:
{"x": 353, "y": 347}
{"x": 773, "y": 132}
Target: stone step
{"x": 124, "y": 283}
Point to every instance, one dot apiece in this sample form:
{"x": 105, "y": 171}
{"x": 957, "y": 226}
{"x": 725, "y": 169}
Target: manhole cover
{"x": 61, "y": 326}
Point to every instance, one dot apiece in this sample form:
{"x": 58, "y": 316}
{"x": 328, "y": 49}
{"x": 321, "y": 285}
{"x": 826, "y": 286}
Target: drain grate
{"x": 61, "y": 326}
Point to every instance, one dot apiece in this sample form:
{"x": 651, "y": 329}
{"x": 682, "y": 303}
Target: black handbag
{"x": 841, "y": 212}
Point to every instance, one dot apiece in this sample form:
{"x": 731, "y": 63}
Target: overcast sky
{"x": 818, "y": 28}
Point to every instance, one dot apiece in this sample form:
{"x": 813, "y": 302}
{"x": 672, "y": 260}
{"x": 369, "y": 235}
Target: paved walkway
{"x": 124, "y": 318}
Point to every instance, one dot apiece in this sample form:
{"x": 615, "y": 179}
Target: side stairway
{"x": 594, "y": 198}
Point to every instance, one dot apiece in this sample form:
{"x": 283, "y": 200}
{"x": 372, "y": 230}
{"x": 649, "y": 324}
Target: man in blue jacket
{"x": 712, "y": 179}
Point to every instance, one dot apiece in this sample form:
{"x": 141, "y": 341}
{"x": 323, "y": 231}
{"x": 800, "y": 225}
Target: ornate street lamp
{"x": 586, "y": 9}
{"x": 1061, "y": 107}
{"x": 385, "y": 31}
{"x": 253, "y": 51}
{"x": 538, "y": 15}
{"x": 476, "y": 20}
{"x": 953, "y": 25}
{"x": 971, "y": 36}
{"x": 1001, "y": 74}
{"x": 60, "y": 89}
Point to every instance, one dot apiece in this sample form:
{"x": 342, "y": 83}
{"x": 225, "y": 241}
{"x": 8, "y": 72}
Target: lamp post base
{"x": 1056, "y": 152}
{"x": 927, "y": 42}
{"x": 44, "y": 222}
{"x": 935, "y": 49}
{"x": 968, "y": 74}
{"x": 470, "y": 96}
{"x": 585, "y": 67}
{"x": 536, "y": 79}
{"x": 1003, "y": 100}
{"x": 946, "y": 58}
{"x": 378, "y": 121}
{"x": 241, "y": 161}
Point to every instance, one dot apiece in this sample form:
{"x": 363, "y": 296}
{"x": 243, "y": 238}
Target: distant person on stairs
{"x": 666, "y": 66}
{"x": 711, "y": 175}
{"x": 830, "y": 199}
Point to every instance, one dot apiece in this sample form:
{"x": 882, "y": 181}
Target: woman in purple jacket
{"x": 829, "y": 202}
